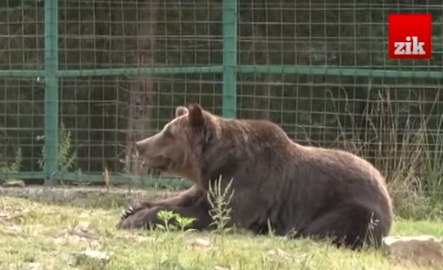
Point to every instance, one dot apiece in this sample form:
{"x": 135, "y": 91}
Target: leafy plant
{"x": 168, "y": 216}
{"x": 15, "y": 166}
{"x": 219, "y": 199}
{"x": 65, "y": 156}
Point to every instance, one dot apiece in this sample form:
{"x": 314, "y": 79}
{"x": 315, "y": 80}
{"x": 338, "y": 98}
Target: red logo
{"x": 409, "y": 36}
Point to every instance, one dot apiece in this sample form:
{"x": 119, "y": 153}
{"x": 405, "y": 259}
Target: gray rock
{"x": 422, "y": 250}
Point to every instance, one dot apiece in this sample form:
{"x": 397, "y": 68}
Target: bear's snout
{"x": 140, "y": 147}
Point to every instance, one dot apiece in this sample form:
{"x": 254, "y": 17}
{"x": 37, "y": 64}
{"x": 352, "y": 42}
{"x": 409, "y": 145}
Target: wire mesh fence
{"x": 318, "y": 68}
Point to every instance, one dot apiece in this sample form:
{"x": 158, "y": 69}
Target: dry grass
{"x": 36, "y": 233}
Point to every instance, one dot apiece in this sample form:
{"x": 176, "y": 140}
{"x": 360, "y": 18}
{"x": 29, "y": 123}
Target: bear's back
{"x": 303, "y": 178}
{"x": 345, "y": 173}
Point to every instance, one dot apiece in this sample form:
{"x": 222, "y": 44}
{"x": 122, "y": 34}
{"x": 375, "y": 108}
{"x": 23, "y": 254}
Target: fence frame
{"x": 229, "y": 68}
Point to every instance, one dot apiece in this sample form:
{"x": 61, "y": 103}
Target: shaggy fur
{"x": 301, "y": 191}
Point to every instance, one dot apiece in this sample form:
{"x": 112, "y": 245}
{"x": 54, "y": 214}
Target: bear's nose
{"x": 139, "y": 147}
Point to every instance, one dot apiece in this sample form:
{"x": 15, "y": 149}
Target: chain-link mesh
{"x": 21, "y": 98}
{"x": 106, "y": 114}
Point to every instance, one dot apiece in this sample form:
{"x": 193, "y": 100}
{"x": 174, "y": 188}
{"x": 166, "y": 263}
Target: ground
{"x": 46, "y": 233}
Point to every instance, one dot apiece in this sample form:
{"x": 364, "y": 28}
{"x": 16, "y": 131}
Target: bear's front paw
{"x": 127, "y": 212}
{"x": 133, "y": 208}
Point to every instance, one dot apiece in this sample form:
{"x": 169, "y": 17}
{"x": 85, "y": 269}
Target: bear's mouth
{"x": 160, "y": 165}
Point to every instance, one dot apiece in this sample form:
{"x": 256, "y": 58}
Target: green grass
{"x": 34, "y": 231}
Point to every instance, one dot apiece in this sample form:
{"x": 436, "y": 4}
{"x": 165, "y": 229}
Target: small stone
{"x": 418, "y": 249}
{"x": 277, "y": 252}
{"x": 83, "y": 229}
{"x": 11, "y": 230}
{"x": 92, "y": 255}
{"x": 34, "y": 266}
{"x": 83, "y": 226}
{"x": 221, "y": 268}
{"x": 200, "y": 242}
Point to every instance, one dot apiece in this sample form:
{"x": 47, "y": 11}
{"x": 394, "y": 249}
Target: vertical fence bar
{"x": 229, "y": 58}
{"x": 51, "y": 89}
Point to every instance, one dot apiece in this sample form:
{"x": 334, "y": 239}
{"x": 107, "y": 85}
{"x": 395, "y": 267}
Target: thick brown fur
{"x": 301, "y": 191}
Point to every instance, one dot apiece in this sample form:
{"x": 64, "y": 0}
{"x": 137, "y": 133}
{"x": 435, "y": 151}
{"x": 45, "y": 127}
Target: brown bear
{"x": 300, "y": 191}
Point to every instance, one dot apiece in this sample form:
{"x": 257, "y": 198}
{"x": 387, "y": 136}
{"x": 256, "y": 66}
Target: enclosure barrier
{"x": 230, "y": 68}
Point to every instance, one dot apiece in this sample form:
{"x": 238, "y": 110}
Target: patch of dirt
{"x": 98, "y": 196}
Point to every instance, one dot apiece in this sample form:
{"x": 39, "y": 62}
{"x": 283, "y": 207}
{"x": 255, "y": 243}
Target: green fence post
{"x": 229, "y": 58}
{"x": 51, "y": 89}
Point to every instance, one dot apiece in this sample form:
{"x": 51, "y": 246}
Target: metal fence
{"x": 81, "y": 80}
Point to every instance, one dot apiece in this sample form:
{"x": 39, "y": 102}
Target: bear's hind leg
{"x": 350, "y": 225}
{"x": 147, "y": 218}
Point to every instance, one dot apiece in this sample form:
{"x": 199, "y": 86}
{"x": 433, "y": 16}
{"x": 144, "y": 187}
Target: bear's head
{"x": 174, "y": 150}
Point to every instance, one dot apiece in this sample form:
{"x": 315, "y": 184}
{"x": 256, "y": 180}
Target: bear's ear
{"x": 196, "y": 116}
{"x": 181, "y": 110}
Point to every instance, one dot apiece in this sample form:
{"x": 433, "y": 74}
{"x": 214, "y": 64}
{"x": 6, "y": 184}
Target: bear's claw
{"x": 127, "y": 212}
